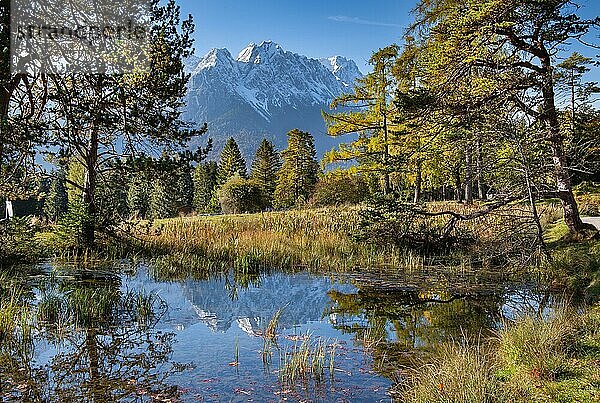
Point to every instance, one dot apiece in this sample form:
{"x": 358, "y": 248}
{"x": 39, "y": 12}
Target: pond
{"x": 270, "y": 336}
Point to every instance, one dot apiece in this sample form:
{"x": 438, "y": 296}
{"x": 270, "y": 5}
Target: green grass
{"x": 555, "y": 359}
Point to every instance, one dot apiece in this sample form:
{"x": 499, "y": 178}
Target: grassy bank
{"x": 322, "y": 239}
{"x": 556, "y": 359}
{"x": 307, "y": 239}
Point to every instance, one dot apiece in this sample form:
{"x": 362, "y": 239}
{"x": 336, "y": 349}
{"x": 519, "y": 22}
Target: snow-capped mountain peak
{"x": 259, "y": 53}
{"x": 264, "y": 92}
{"x": 343, "y": 69}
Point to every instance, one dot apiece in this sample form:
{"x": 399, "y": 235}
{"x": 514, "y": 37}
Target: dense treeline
{"x": 482, "y": 102}
{"x": 207, "y": 187}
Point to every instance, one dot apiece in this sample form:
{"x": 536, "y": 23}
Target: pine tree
{"x": 265, "y": 167}
{"x": 164, "y": 198}
{"x": 57, "y": 201}
{"x": 231, "y": 163}
{"x": 138, "y": 196}
{"x": 299, "y": 173}
{"x": 205, "y": 182}
{"x": 185, "y": 188}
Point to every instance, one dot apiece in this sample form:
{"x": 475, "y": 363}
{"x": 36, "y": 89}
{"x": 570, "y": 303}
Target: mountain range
{"x": 264, "y": 92}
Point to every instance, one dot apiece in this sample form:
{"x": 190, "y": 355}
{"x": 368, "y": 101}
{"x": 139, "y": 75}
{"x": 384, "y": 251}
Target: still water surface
{"x": 206, "y": 340}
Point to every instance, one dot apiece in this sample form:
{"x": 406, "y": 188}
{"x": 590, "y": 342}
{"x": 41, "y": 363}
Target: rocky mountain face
{"x": 265, "y": 92}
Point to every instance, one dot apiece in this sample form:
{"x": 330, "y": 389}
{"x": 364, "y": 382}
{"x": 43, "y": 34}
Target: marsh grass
{"x": 459, "y": 373}
{"x": 540, "y": 347}
{"x": 318, "y": 240}
{"x": 534, "y": 359}
{"x": 305, "y": 363}
{"x": 15, "y": 315}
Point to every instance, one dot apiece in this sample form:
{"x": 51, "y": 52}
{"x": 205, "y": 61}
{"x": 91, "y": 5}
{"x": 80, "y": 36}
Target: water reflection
{"x": 92, "y": 341}
{"x": 131, "y": 337}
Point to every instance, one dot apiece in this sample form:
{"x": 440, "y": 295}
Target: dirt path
{"x": 595, "y": 221}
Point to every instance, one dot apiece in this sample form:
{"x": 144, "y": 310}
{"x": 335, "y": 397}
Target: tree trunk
{"x": 89, "y": 191}
{"x": 480, "y": 184}
{"x": 386, "y": 153}
{"x": 469, "y": 176}
{"x": 418, "y": 182}
{"x": 559, "y": 159}
{"x": 457, "y": 184}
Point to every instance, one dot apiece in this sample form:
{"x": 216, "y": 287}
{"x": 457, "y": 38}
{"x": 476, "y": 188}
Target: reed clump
{"x": 313, "y": 240}
{"x": 534, "y": 359}
{"x": 306, "y": 362}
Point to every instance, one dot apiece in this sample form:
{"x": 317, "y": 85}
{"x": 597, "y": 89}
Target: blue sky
{"x": 315, "y": 28}
{"x": 351, "y": 28}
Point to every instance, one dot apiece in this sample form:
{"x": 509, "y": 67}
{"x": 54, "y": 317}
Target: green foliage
{"x": 69, "y": 234}
{"x": 138, "y": 195}
{"x": 367, "y": 111}
{"x": 265, "y": 167}
{"x": 205, "y": 183}
{"x": 75, "y": 178}
{"x": 239, "y": 195}
{"x": 338, "y": 188}
{"x": 185, "y": 188}
{"x": 231, "y": 163}
{"x": 18, "y": 243}
{"x": 57, "y": 200}
{"x": 298, "y": 175}
{"x": 164, "y": 197}
{"x": 111, "y": 199}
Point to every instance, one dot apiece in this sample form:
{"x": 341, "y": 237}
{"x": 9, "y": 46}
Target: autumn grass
{"x": 318, "y": 240}
{"x": 303, "y": 240}
{"x": 535, "y": 359}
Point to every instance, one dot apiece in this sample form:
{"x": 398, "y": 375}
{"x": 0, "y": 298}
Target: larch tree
{"x": 298, "y": 175}
{"x": 520, "y": 38}
{"x": 368, "y": 112}
{"x": 265, "y": 167}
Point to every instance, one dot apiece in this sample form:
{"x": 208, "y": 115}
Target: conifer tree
{"x": 185, "y": 188}
{"x": 163, "y": 198}
{"x": 231, "y": 163}
{"x": 57, "y": 201}
{"x": 265, "y": 167}
{"x": 138, "y": 196}
{"x": 299, "y": 173}
{"x": 205, "y": 182}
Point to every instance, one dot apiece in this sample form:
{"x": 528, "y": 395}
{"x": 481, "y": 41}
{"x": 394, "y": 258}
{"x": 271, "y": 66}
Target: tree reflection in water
{"x": 102, "y": 346}
{"x": 397, "y": 327}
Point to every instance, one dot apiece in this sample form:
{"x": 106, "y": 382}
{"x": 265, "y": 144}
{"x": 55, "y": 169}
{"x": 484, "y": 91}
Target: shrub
{"x": 239, "y": 195}
{"x": 339, "y": 188}
{"x": 17, "y": 241}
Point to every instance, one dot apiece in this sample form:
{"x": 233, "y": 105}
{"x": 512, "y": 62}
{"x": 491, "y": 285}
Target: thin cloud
{"x": 356, "y": 20}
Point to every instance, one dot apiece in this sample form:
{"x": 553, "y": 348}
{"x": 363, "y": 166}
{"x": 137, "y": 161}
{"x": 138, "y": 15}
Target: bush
{"x": 339, "y": 188}
{"x": 69, "y": 233}
{"x": 239, "y": 195}
{"x": 17, "y": 241}
{"x": 387, "y": 221}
